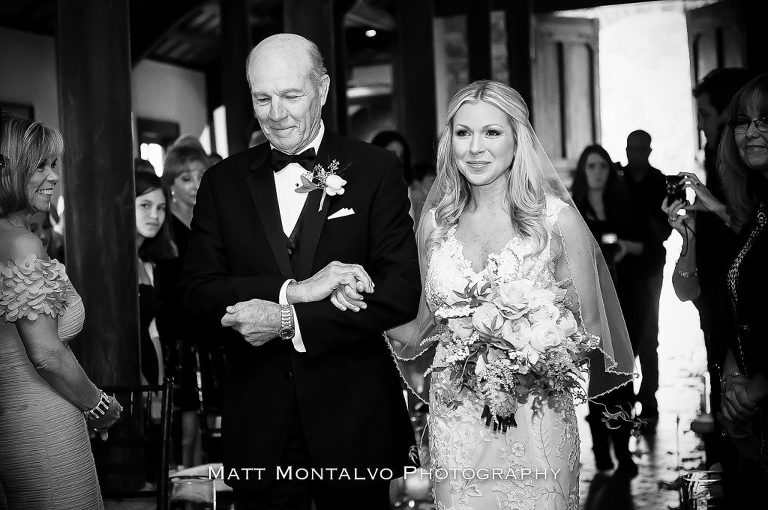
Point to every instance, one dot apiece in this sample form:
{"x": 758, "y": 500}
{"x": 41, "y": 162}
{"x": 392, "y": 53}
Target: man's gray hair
{"x": 317, "y": 70}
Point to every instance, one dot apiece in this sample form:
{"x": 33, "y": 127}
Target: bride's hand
{"x": 347, "y": 297}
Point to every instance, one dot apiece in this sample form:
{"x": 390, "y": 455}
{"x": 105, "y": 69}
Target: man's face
{"x": 286, "y": 102}
{"x": 638, "y": 152}
{"x": 709, "y": 120}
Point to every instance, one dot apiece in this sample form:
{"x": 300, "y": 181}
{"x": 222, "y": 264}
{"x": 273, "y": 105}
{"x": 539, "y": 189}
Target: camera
{"x": 675, "y": 188}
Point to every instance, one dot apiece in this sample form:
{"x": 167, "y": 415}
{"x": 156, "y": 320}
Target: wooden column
{"x": 235, "y": 46}
{"x": 321, "y": 21}
{"x": 518, "y": 16}
{"x": 415, "y": 85}
{"x": 94, "y": 69}
{"x": 479, "y": 39}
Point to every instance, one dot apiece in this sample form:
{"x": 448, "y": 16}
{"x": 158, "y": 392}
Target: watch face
{"x": 286, "y": 333}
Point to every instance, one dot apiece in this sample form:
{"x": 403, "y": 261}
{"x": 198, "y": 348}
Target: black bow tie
{"x": 279, "y": 160}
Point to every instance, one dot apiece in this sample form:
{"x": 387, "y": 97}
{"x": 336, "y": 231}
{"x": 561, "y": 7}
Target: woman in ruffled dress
{"x": 47, "y": 402}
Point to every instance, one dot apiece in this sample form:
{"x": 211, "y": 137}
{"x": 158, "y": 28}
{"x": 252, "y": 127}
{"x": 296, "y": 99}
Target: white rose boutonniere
{"x": 327, "y": 179}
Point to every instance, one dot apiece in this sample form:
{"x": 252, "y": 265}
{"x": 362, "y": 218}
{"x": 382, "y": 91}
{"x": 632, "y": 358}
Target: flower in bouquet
{"x": 487, "y": 320}
{"x": 513, "y": 298}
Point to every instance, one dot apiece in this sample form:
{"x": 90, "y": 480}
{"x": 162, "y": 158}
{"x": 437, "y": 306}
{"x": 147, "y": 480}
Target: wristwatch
{"x": 287, "y": 329}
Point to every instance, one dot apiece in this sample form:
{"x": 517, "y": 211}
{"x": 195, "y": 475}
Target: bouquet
{"x": 514, "y": 341}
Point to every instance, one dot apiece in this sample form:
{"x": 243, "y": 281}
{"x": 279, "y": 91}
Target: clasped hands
{"x": 111, "y": 416}
{"x": 258, "y": 320}
{"x": 739, "y": 402}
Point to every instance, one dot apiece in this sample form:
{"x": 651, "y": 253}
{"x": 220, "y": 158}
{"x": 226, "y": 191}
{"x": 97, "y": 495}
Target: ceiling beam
{"x": 151, "y": 21}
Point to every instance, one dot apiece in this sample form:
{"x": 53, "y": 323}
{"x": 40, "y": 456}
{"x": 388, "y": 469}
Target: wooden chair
{"x": 138, "y": 447}
{"x": 208, "y": 364}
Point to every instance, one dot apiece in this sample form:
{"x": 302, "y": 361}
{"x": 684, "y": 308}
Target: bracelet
{"x": 724, "y": 380}
{"x": 99, "y": 409}
{"x": 687, "y": 274}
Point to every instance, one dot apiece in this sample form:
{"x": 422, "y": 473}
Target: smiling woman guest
{"x": 743, "y": 166}
{"x": 46, "y": 399}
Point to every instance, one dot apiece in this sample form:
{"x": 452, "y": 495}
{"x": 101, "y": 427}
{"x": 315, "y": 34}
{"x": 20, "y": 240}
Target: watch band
{"x": 99, "y": 409}
{"x": 286, "y": 322}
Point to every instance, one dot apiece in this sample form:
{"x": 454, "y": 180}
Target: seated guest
{"x": 47, "y": 402}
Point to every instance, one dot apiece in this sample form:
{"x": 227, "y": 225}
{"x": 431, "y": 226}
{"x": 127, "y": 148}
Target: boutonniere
{"x": 327, "y": 179}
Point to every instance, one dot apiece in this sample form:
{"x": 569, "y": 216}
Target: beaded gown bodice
{"x": 532, "y": 466}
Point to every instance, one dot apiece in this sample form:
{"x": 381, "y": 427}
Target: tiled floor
{"x": 674, "y": 450}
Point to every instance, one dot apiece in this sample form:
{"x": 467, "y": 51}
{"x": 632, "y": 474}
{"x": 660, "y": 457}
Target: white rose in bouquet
{"x": 541, "y": 297}
{"x": 545, "y": 334}
{"x": 462, "y": 327}
{"x": 487, "y": 319}
{"x": 567, "y": 324}
{"x": 547, "y": 312}
{"x": 517, "y": 333}
{"x": 512, "y": 299}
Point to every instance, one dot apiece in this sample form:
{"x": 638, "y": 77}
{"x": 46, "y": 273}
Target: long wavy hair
{"x": 525, "y": 191}
{"x": 741, "y": 183}
{"x": 27, "y": 146}
{"x": 162, "y": 246}
{"x": 580, "y": 188}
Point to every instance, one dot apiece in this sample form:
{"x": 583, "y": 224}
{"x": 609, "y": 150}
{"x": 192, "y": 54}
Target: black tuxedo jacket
{"x": 345, "y": 387}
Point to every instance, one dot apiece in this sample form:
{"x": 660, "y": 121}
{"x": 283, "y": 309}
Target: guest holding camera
{"x": 603, "y": 201}
{"x": 743, "y": 164}
{"x": 708, "y": 244}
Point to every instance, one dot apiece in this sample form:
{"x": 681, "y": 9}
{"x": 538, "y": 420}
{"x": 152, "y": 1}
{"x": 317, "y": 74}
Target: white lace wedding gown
{"x": 532, "y": 466}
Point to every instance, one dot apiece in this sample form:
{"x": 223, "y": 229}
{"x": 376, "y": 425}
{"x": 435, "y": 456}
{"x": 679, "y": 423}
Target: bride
{"x": 499, "y": 222}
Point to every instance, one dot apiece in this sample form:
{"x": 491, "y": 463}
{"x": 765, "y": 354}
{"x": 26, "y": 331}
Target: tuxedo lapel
{"x": 261, "y": 184}
{"x": 314, "y": 219}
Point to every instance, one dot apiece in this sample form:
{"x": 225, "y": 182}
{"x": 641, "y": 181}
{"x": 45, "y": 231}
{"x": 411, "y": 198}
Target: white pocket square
{"x": 341, "y": 213}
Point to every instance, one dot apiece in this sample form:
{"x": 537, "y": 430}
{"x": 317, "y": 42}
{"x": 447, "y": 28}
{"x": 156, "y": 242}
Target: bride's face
{"x": 483, "y": 142}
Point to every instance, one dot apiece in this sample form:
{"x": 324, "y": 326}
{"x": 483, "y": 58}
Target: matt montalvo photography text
{"x": 360, "y": 474}
{"x": 300, "y": 473}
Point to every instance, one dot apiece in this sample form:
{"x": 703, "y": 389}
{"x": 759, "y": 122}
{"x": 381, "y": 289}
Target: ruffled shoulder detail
{"x": 32, "y": 286}
{"x": 554, "y": 205}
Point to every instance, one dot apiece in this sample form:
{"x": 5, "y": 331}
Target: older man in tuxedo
{"x": 305, "y": 271}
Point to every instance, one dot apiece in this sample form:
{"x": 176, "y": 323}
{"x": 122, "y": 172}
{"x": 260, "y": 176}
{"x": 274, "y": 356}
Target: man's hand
{"x": 335, "y": 275}
{"x": 257, "y": 320}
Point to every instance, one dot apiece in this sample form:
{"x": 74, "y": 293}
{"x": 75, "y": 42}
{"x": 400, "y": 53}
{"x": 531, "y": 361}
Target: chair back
{"x": 137, "y": 450}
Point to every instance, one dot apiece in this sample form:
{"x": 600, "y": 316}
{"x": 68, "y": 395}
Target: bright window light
{"x": 153, "y": 153}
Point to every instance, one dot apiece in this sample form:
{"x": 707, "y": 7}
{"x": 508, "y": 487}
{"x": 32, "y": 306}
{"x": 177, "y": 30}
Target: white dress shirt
{"x": 290, "y": 204}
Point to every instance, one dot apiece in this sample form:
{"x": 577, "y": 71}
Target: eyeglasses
{"x": 741, "y": 124}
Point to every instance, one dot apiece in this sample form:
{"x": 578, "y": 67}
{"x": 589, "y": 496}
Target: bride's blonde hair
{"x": 525, "y": 194}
